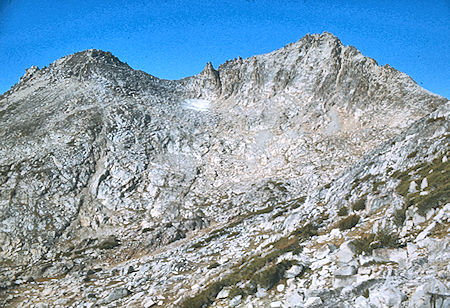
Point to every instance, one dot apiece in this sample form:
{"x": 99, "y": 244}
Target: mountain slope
{"x": 96, "y": 155}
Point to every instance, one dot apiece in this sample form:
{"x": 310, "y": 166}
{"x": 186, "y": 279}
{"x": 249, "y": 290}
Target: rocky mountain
{"x": 306, "y": 177}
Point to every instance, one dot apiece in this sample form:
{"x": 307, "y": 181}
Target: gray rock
{"x": 235, "y": 301}
{"x": 343, "y": 281}
{"x": 116, "y": 294}
{"x": 345, "y": 271}
{"x": 294, "y": 300}
{"x": 386, "y": 297}
{"x": 313, "y": 302}
{"x": 390, "y": 255}
{"x": 431, "y": 294}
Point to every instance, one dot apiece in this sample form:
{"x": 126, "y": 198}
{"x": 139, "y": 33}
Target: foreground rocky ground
{"x": 307, "y": 177}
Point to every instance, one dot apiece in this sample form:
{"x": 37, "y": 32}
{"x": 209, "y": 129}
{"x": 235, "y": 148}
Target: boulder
{"x": 361, "y": 302}
{"x": 313, "y": 302}
{"x": 346, "y": 252}
{"x": 223, "y": 293}
{"x": 294, "y": 300}
{"x": 323, "y": 251}
{"x": 431, "y": 294}
{"x": 386, "y": 296}
{"x": 117, "y": 294}
{"x": 294, "y": 271}
{"x": 345, "y": 271}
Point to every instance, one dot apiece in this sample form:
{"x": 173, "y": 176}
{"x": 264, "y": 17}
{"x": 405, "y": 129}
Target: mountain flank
{"x": 306, "y": 177}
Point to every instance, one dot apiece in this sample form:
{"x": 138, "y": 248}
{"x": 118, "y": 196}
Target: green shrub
{"x": 298, "y": 202}
{"x": 412, "y": 154}
{"x": 306, "y": 231}
{"x": 437, "y": 173}
{"x": 108, "y": 243}
{"x": 260, "y": 269}
{"x": 376, "y": 185}
{"x": 348, "y": 222}
{"x": 343, "y": 211}
{"x": 436, "y": 198}
{"x": 359, "y": 204}
{"x": 206, "y": 297}
{"x": 272, "y": 275}
{"x": 386, "y": 239}
{"x": 399, "y": 216}
{"x": 382, "y": 239}
{"x": 363, "y": 244}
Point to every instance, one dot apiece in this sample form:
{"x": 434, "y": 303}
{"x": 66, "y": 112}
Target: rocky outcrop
{"x": 309, "y": 176}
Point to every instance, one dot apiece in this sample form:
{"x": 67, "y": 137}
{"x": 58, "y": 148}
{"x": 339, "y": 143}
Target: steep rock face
{"x": 91, "y": 148}
{"x": 303, "y": 252}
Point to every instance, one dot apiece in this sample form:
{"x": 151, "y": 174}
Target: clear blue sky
{"x": 174, "y": 39}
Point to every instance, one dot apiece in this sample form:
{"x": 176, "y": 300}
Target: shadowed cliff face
{"x": 91, "y": 148}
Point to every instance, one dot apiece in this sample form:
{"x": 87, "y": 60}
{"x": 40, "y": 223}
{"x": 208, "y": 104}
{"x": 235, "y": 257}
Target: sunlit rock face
{"x": 94, "y": 154}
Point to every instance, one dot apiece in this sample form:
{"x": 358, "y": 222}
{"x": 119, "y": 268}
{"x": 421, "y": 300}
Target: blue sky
{"x": 174, "y": 39}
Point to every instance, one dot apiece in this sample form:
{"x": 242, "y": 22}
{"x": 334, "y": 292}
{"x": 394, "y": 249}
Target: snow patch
{"x": 196, "y": 104}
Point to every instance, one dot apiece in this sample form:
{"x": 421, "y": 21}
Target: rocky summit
{"x": 310, "y": 176}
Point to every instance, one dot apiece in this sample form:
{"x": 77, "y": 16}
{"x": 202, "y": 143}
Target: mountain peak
{"x": 87, "y": 56}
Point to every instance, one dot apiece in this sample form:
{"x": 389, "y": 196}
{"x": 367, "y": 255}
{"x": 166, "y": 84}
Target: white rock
{"x": 137, "y": 296}
{"x": 322, "y": 252}
{"x": 313, "y": 301}
{"x": 346, "y": 252}
{"x": 335, "y": 233}
{"x": 412, "y": 187}
{"x": 363, "y": 270}
{"x": 361, "y": 278}
{"x": 276, "y": 304}
{"x": 347, "y": 291}
{"x": 294, "y": 300}
{"x": 409, "y": 224}
{"x": 424, "y": 184}
{"x": 430, "y": 213}
{"x": 260, "y": 293}
{"x": 223, "y": 293}
{"x": 411, "y": 249}
{"x": 290, "y": 282}
{"x": 196, "y": 104}
{"x": 417, "y": 219}
{"x": 148, "y": 302}
{"x": 364, "y": 259}
{"x": 426, "y": 231}
{"x": 319, "y": 263}
{"x": 280, "y": 287}
{"x": 361, "y": 302}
